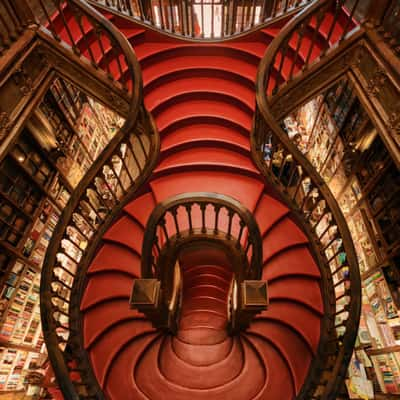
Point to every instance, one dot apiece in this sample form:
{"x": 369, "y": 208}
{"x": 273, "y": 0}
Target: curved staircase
{"x": 202, "y": 99}
{"x": 271, "y": 358}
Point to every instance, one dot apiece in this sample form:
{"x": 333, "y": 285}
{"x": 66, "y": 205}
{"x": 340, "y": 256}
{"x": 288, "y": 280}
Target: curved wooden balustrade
{"x": 299, "y": 45}
{"x": 208, "y": 217}
{"x": 203, "y": 19}
{"x": 188, "y": 214}
{"x": 302, "y": 187}
{"x": 93, "y": 38}
{"x": 118, "y": 172}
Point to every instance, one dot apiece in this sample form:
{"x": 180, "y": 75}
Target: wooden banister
{"x": 187, "y": 18}
{"x": 304, "y": 190}
{"x": 114, "y": 177}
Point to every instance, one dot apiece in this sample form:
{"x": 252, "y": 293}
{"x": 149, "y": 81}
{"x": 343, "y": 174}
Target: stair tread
{"x": 268, "y": 211}
{"x": 202, "y": 131}
{"x": 196, "y": 85}
{"x": 126, "y": 231}
{"x": 244, "y": 189}
{"x": 119, "y": 381}
{"x": 116, "y": 310}
{"x": 278, "y": 383}
{"x": 200, "y": 377}
{"x": 295, "y": 350}
{"x": 206, "y": 156}
{"x": 301, "y": 289}
{"x": 141, "y": 208}
{"x": 150, "y": 379}
{"x": 293, "y": 261}
{"x": 113, "y": 257}
{"x": 283, "y": 235}
{"x": 204, "y": 355}
{"x": 295, "y": 315}
{"x": 185, "y": 107}
{"x": 99, "y": 288}
{"x": 106, "y": 350}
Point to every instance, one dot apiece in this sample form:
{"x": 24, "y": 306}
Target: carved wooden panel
{"x": 18, "y": 88}
{"x": 314, "y": 81}
{"x": 380, "y": 90}
{"x": 90, "y": 80}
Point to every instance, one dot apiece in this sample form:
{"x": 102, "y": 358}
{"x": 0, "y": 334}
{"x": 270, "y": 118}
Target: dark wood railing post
{"x": 145, "y": 9}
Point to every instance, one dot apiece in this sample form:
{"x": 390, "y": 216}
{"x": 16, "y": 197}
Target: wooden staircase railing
{"x": 203, "y": 19}
{"x": 298, "y": 45}
{"x": 15, "y": 17}
{"x": 91, "y": 37}
{"x": 122, "y": 168}
{"x": 303, "y": 189}
{"x": 202, "y": 217}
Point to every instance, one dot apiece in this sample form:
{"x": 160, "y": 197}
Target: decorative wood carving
{"x": 394, "y": 122}
{"x": 4, "y": 124}
{"x": 377, "y": 81}
{"x": 381, "y": 95}
{"x": 23, "y": 81}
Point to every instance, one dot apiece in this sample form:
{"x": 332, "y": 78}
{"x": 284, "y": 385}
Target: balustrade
{"x": 204, "y": 19}
{"x": 291, "y": 53}
{"x": 310, "y": 36}
{"x": 200, "y": 216}
{"x": 117, "y": 173}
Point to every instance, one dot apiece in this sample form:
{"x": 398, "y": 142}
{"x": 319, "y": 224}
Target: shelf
{"x": 52, "y": 153}
{"x": 9, "y": 345}
{"x": 346, "y": 149}
{"x": 16, "y": 253}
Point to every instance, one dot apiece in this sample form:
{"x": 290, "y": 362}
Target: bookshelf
{"x": 59, "y": 143}
{"x": 336, "y": 135}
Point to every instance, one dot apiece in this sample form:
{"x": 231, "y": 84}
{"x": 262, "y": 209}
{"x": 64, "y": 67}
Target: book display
{"x": 59, "y": 143}
{"x": 337, "y": 136}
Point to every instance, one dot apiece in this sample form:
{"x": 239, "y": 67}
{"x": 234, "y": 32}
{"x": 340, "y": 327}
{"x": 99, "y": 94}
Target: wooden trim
{"x": 266, "y": 123}
{"x": 189, "y": 37}
{"x": 12, "y": 250}
{"x": 138, "y": 122}
{"x": 23, "y": 347}
{"x": 385, "y": 350}
{"x": 201, "y": 199}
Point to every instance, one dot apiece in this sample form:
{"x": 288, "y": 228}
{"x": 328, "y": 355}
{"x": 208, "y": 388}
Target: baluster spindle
{"x": 300, "y": 34}
{"x": 217, "y": 209}
{"x": 203, "y": 216}
{"x": 242, "y": 224}
{"x": 163, "y": 224}
{"x": 319, "y": 18}
{"x": 174, "y": 212}
{"x": 188, "y": 208}
{"x": 127, "y": 170}
{"x": 349, "y": 20}
{"x": 68, "y": 30}
{"x": 231, "y": 213}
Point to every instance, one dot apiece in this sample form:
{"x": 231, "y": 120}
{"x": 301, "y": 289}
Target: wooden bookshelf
{"x": 58, "y": 144}
{"x": 341, "y": 142}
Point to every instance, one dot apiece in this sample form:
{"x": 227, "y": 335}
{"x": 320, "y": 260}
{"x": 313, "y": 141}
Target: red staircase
{"x": 202, "y": 98}
{"x": 202, "y": 361}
